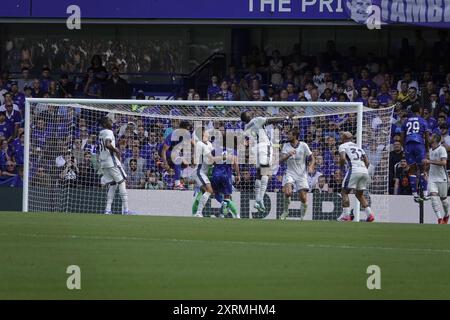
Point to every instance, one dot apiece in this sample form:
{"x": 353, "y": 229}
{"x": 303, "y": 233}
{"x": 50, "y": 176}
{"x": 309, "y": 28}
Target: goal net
{"x": 62, "y": 172}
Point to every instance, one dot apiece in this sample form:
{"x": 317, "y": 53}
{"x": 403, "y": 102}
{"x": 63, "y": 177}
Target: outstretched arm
{"x": 275, "y": 120}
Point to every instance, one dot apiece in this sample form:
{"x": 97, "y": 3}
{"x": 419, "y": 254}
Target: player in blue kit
{"x": 415, "y": 134}
{"x": 166, "y": 154}
{"x": 222, "y": 183}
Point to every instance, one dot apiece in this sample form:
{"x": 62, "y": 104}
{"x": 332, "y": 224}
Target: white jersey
{"x": 107, "y": 158}
{"x": 202, "y": 152}
{"x": 257, "y": 129}
{"x": 354, "y": 157}
{"x": 438, "y": 173}
{"x": 296, "y": 164}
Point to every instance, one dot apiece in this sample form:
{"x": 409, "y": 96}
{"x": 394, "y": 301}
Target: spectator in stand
{"x": 319, "y": 79}
{"x": 8, "y": 101}
{"x": 18, "y": 149}
{"x": 17, "y": 96}
{"x": 99, "y": 71}
{"x": 431, "y": 121}
{"x": 335, "y": 183}
{"x": 45, "y": 78}
{"x": 10, "y": 170}
{"x": 412, "y": 98}
{"x": 321, "y": 186}
{"x": 395, "y": 156}
{"x": 364, "y": 97}
{"x": 92, "y": 88}
{"x": 247, "y": 182}
{"x": 226, "y": 94}
{"x": 116, "y": 87}
{"x": 2, "y": 92}
{"x": 365, "y": 81}
{"x": 232, "y": 76}
{"x": 37, "y": 91}
{"x": 213, "y": 88}
{"x": 25, "y": 80}
{"x": 66, "y": 87}
{"x": 5, "y": 153}
{"x": 6, "y": 129}
{"x": 13, "y": 117}
{"x": 87, "y": 177}
{"x": 433, "y": 104}
{"x": 383, "y": 96}
{"x": 252, "y": 75}
{"x": 135, "y": 178}
{"x": 407, "y": 77}
{"x": 401, "y": 182}
{"x": 276, "y": 67}
{"x": 136, "y": 156}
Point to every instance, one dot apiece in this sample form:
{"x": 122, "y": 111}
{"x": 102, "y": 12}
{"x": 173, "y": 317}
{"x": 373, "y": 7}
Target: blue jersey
{"x": 415, "y": 128}
{"x": 222, "y": 178}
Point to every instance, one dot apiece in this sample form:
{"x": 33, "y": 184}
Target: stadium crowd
{"x": 416, "y": 75}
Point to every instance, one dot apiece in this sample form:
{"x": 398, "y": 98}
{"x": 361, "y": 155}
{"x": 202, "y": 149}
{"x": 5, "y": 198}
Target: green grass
{"x": 136, "y": 257}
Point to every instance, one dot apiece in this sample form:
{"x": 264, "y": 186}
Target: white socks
{"x": 202, "y": 202}
{"x": 346, "y": 211}
{"x": 124, "y": 196}
{"x": 287, "y": 202}
{"x": 303, "y": 208}
{"x": 368, "y": 211}
{"x": 110, "y": 197}
{"x": 264, "y": 183}
{"x": 436, "y": 206}
{"x": 445, "y": 206}
{"x": 257, "y": 190}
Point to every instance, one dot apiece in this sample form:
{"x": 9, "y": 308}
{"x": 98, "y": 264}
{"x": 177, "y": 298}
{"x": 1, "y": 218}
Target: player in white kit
{"x": 297, "y": 156}
{"x": 356, "y": 178}
{"x": 205, "y": 160}
{"x": 438, "y": 179}
{"x": 256, "y": 127}
{"x": 113, "y": 174}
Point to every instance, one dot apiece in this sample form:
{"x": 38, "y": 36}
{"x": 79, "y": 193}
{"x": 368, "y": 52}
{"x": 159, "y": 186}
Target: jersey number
{"x": 357, "y": 152}
{"x": 102, "y": 145}
{"x": 412, "y": 127}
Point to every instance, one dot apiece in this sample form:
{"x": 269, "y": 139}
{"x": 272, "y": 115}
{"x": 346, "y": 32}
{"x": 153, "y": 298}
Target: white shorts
{"x": 357, "y": 181}
{"x": 113, "y": 175}
{"x": 201, "y": 178}
{"x": 298, "y": 184}
{"x": 441, "y": 188}
{"x": 264, "y": 156}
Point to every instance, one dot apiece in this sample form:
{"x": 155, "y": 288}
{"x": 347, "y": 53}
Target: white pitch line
{"x": 276, "y": 244}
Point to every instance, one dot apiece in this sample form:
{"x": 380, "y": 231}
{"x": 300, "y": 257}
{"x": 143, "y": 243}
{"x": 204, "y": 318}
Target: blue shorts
{"x": 415, "y": 153}
{"x": 222, "y": 184}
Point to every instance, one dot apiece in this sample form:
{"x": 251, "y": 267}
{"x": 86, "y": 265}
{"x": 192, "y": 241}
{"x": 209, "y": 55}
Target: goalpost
{"x": 61, "y": 173}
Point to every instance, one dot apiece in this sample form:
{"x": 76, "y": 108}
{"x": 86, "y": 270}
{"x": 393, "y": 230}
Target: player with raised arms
{"x": 113, "y": 174}
{"x": 299, "y": 160}
{"x": 257, "y": 128}
{"x": 166, "y": 154}
{"x": 437, "y": 179}
{"x": 415, "y": 139}
{"x": 356, "y": 178}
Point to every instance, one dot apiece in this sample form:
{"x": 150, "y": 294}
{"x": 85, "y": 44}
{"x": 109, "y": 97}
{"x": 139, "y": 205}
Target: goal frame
{"x": 179, "y": 103}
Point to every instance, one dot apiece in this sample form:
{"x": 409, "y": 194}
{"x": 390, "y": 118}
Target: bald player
{"x": 356, "y": 178}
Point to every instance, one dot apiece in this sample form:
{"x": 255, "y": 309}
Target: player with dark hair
{"x": 257, "y": 128}
{"x": 113, "y": 174}
{"x": 166, "y": 153}
{"x": 438, "y": 179}
{"x": 299, "y": 160}
{"x": 415, "y": 134}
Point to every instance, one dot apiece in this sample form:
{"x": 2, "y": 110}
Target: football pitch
{"x": 138, "y": 257}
